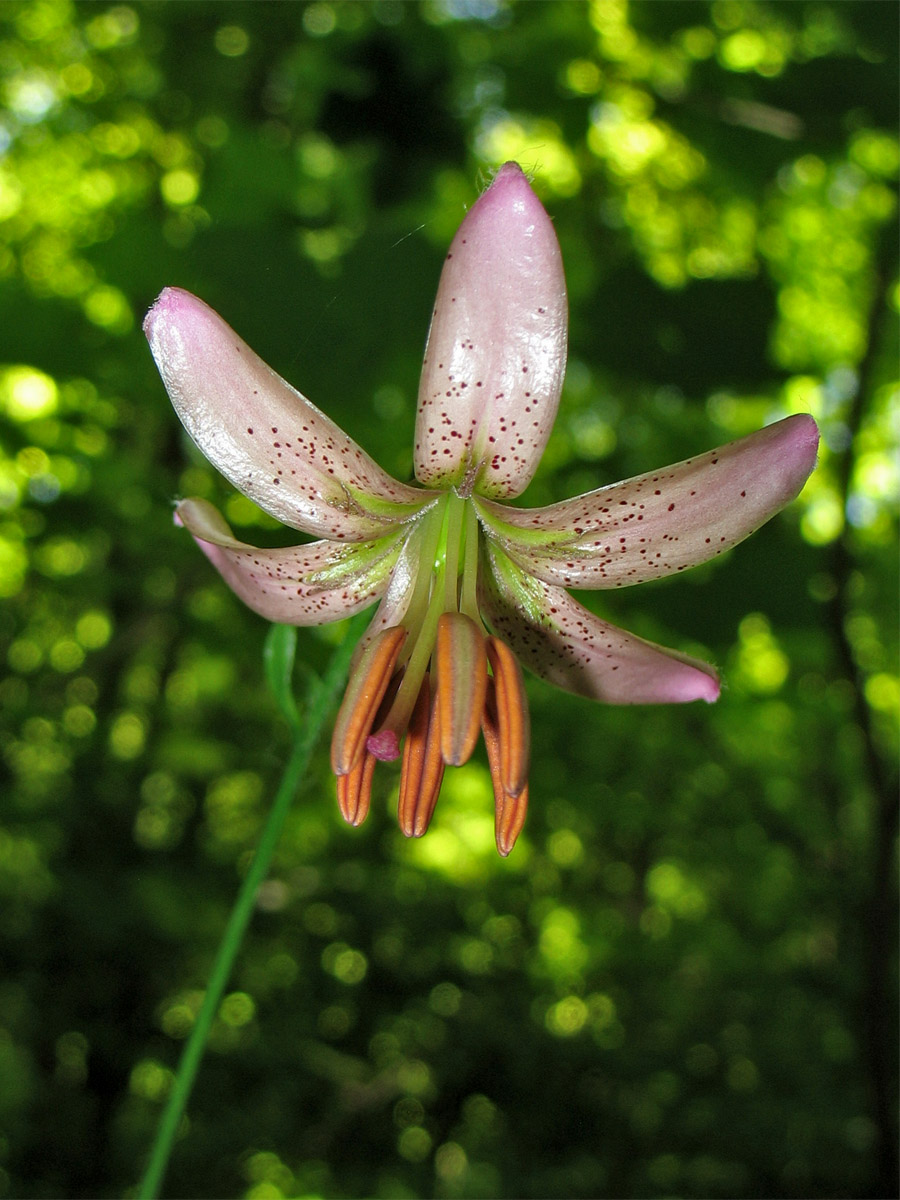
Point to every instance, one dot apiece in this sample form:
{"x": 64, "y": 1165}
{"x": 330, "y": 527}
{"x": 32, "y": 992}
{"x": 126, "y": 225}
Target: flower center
{"x": 446, "y": 582}
{"x": 439, "y": 679}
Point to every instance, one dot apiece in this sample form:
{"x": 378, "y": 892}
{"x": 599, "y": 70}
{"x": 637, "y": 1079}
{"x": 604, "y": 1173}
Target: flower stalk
{"x": 321, "y": 699}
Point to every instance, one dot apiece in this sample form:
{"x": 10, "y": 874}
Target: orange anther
{"x": 510, "y": 820}
{"x": 461, "y": 668}
{"x": 514, "y": 725}
{"x": 509, "y": 810}
{"x": 354, "y": 790}
{"x": 422, "y": 770}
{"x": 365, "y": 691}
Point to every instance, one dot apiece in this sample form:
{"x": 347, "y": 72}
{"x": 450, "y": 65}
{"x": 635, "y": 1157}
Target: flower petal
{"x": 557, "y": 638}
{"x": 296, "y": 585}
{"x": 496, "y": 350}
{"x": 662, "y": 522}
{"x": 267, "y": 439}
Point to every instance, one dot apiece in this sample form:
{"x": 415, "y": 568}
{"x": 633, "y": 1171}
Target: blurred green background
{"x": 682, "y": 982}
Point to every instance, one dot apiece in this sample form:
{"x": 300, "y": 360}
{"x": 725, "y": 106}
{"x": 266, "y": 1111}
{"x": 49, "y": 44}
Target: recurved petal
{"x": 267, "y": 439}
{"x": 496, "y": 350}
{"x": 296, "y": 585}
{"x": 559, "y": 640}
{"x": 662, "y": 522}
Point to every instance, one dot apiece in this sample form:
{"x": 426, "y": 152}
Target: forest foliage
{"x": 682, "y": 982}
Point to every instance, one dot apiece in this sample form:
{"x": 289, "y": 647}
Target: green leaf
{"x": 279, "y": 652}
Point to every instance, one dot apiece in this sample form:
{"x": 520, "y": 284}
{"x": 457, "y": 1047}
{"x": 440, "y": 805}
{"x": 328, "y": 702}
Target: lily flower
{"x": 467, "y": 586}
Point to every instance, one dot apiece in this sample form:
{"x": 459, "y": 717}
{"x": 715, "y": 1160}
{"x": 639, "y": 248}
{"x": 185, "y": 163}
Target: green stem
{"x": 434, "y": 528}
{"x": 468, "y": 601}
{"x": 404, "y": 702}
{"x": 422, "y": 617}
{"x": 456, "y": 509}
{"x": 321, "y": 701}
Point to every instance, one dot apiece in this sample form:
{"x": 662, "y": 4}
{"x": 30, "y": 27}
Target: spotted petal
{"x": 296, "y": 585}
{"x": 559, "y": 640}
{"x": 662, "y": 522}
{"x": 267, "y": 439}
{"x": 496, "y": 350}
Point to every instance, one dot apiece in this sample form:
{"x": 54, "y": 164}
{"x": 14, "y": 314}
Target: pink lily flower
{"x": 467, "y": 586}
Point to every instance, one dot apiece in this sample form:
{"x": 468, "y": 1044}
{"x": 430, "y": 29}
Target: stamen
{"x": 510, "y": 821}
{"x": 461, "y": 667}
{"x": 354, "y": 790}
{"x": 514, "y": 725}
{"x": 456, "y": 511}
{"x": 422, "y": 771}
{"x": 509, "y": 811}
{"x": 404, "y": 701}
{"x": 432, "y": 530}
{"x": 364, "y": 694}
{"x": 468, "y": 597}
